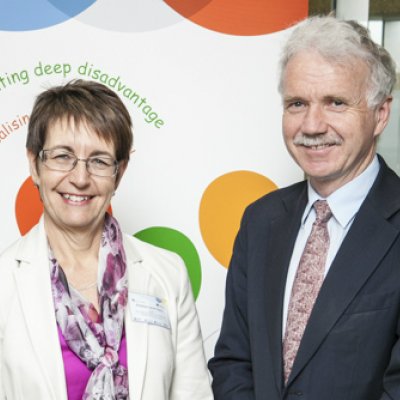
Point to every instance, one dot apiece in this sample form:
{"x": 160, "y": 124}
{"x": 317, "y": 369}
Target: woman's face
{"x": 74, "y": 200}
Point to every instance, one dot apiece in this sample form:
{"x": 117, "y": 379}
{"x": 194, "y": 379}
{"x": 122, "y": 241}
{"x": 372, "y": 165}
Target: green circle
{"x": 173, "y": 240}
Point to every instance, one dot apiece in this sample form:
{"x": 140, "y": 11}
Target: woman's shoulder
{"x": 8, "y": 256}
{"x": 159, "y": 262}
{"x": 9, "y": 263}
{"x": 22, "y": 247}
{"x": 138, "y": 249}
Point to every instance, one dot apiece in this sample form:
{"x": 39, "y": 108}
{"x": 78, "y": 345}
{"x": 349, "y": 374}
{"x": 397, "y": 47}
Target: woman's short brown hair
{"x": 87, "y": 102}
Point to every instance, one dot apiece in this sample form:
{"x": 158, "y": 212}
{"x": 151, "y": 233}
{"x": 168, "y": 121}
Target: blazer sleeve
{"x": 391, "y": 379}
{"x": 2, "y": 396}
{"x": 5, "y": 303}
{"x": 191, "y": 378}
{"x": 231, "y": 365}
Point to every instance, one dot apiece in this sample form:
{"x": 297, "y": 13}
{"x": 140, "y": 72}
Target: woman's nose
{"x": 79, "y": 174}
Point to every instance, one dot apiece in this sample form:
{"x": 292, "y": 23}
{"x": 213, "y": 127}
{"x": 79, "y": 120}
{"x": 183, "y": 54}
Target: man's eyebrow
{"x": 290, "y": 99}
{"x": 334, "y": 97}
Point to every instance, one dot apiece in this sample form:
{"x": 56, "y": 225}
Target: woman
{"x": 85, "y": 311}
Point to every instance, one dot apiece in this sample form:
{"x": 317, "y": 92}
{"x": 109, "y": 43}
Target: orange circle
{"x": 29, "y": 207}
{"x": 242, "y": 17}
{"x": 222, "y": 206}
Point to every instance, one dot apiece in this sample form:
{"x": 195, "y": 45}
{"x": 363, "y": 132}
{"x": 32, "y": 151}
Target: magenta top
{"x": 77, "y": 374}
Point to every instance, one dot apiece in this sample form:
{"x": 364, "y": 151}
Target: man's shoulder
{"x": 277, "y": 201}
{"x": 384, "y": 195}
{"x": 387, "y": 178}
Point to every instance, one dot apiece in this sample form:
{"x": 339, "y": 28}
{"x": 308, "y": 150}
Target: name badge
{"x": 148, "y": 309}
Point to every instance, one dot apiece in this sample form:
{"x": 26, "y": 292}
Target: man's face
{"x": 328, "y": 127}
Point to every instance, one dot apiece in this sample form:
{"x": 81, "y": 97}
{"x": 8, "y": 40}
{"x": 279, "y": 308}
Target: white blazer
{"x": 163, "y": 364}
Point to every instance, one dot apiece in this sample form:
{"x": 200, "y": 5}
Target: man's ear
{"x": 121, "y": 170}
{"x": 382, "y": 115}
{"x": 33, "y": 167}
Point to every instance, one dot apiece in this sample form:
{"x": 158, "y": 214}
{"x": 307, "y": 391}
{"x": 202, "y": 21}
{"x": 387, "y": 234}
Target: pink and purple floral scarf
{"x": 96, "y": 343}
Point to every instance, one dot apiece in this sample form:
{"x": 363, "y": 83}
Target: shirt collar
{"x": 346, "y": 201}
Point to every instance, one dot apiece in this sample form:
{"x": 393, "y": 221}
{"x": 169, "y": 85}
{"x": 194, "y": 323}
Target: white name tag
{"x": 148, "y": 309}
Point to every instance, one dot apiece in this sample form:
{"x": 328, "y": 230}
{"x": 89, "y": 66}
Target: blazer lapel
{"x": 33, "y": 276}
{"x": 136, "y": 333}
{"x": 279, "y": 249}
{"x": 368, "y": 240}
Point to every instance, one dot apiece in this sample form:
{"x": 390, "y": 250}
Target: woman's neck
{"x": 77, "y": 253}
{"x": 75, "y": 250}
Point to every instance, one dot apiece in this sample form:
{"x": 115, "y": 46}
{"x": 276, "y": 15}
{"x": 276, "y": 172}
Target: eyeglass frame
{"x": 85, "y": 160}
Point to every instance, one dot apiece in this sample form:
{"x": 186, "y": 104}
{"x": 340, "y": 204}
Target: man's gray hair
{"x": 343, "y": 42}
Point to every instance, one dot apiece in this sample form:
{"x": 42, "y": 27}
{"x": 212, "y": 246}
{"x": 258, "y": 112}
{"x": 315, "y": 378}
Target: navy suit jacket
{"x": 350, "y": 348}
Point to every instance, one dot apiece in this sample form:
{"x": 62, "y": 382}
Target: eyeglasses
{"x": 65, "y": 161}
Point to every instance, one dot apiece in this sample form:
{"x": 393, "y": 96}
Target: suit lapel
{"x": 367, "y": 242}
{"x": 279, "y": 249}
{"x": 33, "y": 276}
{"x": 136, "y": 333}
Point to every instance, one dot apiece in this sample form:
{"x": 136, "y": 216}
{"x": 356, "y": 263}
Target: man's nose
{"x": 314, "y": 121}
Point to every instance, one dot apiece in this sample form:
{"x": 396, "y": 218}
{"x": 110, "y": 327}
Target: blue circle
{"x": 27, "y": 15}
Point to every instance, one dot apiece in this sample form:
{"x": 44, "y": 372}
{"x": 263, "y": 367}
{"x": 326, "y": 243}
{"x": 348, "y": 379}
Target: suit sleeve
{"x": 191, "y": 379}
{"x": 231, "y": 365}
{"x": 391, "y": 379}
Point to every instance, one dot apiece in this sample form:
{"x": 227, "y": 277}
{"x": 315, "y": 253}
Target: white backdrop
{"x": 215, "y": 93}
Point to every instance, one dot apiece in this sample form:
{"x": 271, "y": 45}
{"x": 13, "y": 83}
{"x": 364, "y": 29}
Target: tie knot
{"x": 323, "y": 211}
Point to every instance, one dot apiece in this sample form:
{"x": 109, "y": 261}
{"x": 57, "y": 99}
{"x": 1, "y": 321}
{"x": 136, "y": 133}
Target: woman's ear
{"x": 121, "y": 170}
{"x": 33, "y": 167}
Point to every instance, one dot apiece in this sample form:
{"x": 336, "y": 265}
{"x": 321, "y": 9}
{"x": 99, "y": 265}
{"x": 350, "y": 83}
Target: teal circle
{"x": 173, "y": 240}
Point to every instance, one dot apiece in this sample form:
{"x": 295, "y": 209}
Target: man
{"x": 313, "y": 290}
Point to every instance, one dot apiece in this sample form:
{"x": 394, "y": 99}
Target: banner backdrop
{"x": 200, "y": 83}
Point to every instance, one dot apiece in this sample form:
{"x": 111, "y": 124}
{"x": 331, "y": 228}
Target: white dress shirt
{"x": 344, "y": 204}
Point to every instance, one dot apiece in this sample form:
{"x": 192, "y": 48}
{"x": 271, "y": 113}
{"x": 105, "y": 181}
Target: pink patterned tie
{"x": 306, "y": 285}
